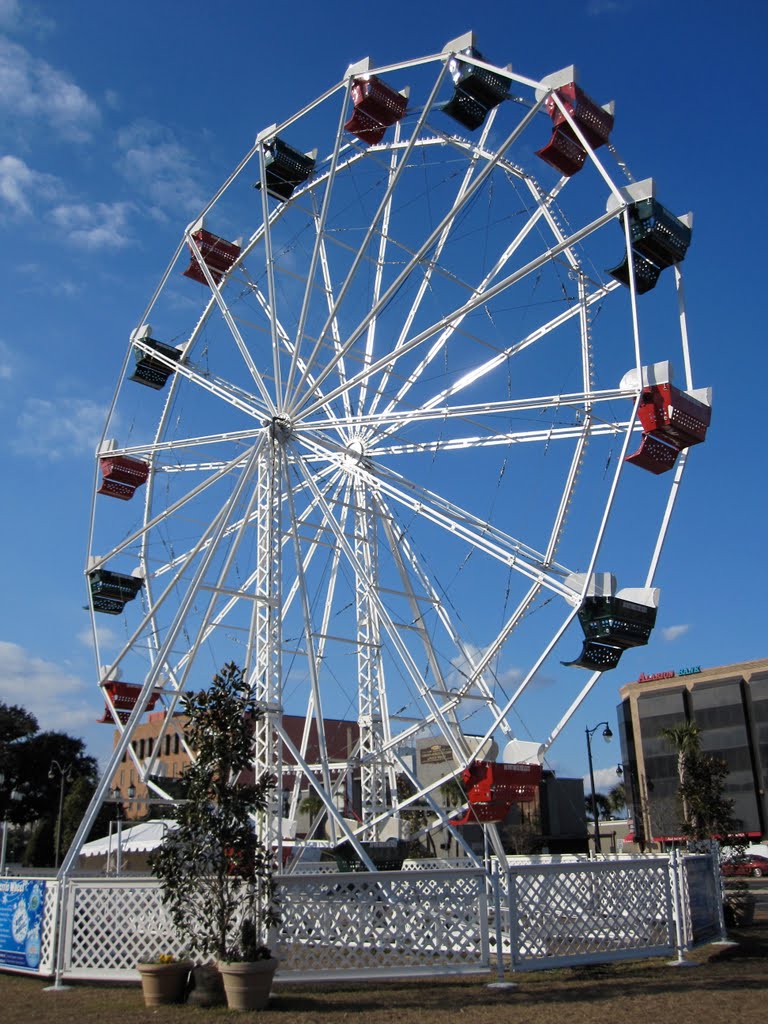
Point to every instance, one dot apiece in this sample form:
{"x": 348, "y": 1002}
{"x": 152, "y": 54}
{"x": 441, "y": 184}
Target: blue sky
{"x": 119, "y": 122}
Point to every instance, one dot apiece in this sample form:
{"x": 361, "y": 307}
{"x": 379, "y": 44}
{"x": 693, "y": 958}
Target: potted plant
{"x": 164, "y": 979}
{"x": 216, "y": 874}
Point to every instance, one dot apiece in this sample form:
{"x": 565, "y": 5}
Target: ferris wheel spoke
{"x": 171, "y": 564}
{"x": 488, "y": 366}
{"x": 403, "y": 653}
{"x": 479, "y": 410}
{"x": 243, "y": 591}
{"x": 363, "y": 248}
{"x": 446, "y": 222}
{"x": 545, "y": 435}
{"x": 237, "y": 464}
{"x": 379, "y": 274}
{"x": 318, "y": 250}
{"x": 285, "y": 342}
{"x": 335, "y": 334}
{"x": 402, "y": 555}
{"x": 219, "y": 387}
{"x": 455, "y": 322}
{"x": 429, "y": 271}
{"x": 204, "y": 548}
{"x": 315, "y": 542}
{"x": 217, "y": 588}
{"x": 481, "y": 535}
{"x": 242, "y": 347}
{"x": 472, "y": 304}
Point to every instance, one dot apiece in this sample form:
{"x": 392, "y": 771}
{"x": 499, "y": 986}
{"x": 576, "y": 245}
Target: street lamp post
{"x": 65, "y": 774}
{"x": 607, "y": 736}
{"x": 117, "y": 799}
{"x": 15, "y": 794}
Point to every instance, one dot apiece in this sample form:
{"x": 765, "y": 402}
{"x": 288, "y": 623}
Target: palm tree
{"x": 686, "y": 739}
{"x": 617, "y": 799}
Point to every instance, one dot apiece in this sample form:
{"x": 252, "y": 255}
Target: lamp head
{"x": 607, "y": 734}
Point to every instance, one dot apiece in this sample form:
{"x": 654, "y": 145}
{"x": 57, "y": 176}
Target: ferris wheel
{"x": 397, "y": 434}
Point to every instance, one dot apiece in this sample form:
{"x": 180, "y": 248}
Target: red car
{"x": 750, "y": 864}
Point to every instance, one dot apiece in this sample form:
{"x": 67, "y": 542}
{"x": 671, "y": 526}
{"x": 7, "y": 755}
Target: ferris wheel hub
{"x": 355, "y": 453}
{"x": 280, "y": 428}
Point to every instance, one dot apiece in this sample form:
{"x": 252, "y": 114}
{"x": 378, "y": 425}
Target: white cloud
{"x": 58, "y": 699}
{"x": 108, "y": 638}
{"x": 33, "y": 90}
{"x": 10, "y": 14}
{"x": 673, "y": 632}
{"x": 95, "y": 225}
{"x": 158, "y": 166}
{"x": 20, "y": 185}
{"x": 605, "y": 780}
{"x": 14, "y": 18}
{"x": 7, "y": 361}
{"x": 58, "y": 428}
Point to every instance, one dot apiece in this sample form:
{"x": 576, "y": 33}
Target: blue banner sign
{"x": 21, "y": 922}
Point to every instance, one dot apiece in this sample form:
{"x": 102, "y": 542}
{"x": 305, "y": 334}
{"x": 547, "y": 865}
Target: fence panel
{"x": 338, "y": 926}
{"x": 702, "y": 898}
{"x": 589, "y": 912}
{"x": 388, "y": 924}
{"x": 112, "y": 924}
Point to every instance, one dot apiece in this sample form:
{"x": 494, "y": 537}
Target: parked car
{"x": 751, "y": 864}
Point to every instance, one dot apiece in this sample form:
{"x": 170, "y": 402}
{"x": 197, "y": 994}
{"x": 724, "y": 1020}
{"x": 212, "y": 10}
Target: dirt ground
{"x": 729, "y": 984}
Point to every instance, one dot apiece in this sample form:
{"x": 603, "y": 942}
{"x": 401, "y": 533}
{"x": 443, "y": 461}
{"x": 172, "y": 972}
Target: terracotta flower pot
{"x": 248, "y": 985}
{"x": 164, "y": 983}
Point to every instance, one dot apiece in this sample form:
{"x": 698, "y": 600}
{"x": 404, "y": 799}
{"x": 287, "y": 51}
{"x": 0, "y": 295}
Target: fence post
{"x": 675, "y": 867}
{"x": 60, "y": 933}
{"x": 496, "y": 885}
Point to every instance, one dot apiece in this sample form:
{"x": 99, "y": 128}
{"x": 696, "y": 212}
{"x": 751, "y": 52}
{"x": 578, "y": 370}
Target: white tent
{"x": 115, "y": 849}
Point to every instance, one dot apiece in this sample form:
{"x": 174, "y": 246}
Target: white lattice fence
{"x": 419, "y": 922}
{"x": 48, "y": 938}
{"x": 338, "y": 926}
{"x": 388, "y": 924}
{"x": 589, "y": 912}
{"x": 112, "y": 924}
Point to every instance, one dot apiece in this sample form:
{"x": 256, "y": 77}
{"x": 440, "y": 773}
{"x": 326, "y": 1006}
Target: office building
{"x": 729, "y": 705}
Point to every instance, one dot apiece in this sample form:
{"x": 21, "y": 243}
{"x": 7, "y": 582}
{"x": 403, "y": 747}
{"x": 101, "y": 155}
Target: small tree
{"x": 706, "y": 811}
{"x": 215, "y": 873}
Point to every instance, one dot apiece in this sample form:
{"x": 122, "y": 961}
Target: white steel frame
{"x": 318, "y": 459}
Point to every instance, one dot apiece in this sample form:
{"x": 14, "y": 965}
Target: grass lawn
{"x": 730, "y": 984}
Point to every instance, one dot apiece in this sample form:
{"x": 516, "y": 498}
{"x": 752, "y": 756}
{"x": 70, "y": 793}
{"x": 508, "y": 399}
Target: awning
{"x": 137, "y": 839}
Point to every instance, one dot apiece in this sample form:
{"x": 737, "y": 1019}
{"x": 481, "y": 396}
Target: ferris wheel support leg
{"x": 316, "y": 703}
{"x": 373, "y": 775}
{"x": 265, "y": 681}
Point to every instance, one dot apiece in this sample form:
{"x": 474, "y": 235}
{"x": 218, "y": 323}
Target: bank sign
{"x": 693, "y": 670}
{"x": 21, "y": 923}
